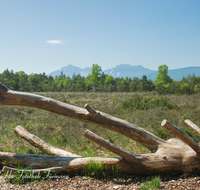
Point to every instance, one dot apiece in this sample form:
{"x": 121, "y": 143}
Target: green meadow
{"x": 146, "y": 110}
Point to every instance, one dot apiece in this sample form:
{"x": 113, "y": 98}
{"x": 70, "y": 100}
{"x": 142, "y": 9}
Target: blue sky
{"x": 39, "y": 36}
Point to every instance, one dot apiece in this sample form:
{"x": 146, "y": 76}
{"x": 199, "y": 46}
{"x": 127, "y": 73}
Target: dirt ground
{"x": 87, "y": 183}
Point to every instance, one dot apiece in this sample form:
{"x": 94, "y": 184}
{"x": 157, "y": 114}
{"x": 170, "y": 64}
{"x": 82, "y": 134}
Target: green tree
{"x": 185, "y": 88}
{"x": 197, "y": 88}
{"x": 9, "y": 79}
{"x": 109, "y": 83}
{"x": 163, "y": 80}
{"x": 174, "y": 87}
{"x": 94, "y": 77}
{"x": 109, "y": 79}
{"x": 60, "y": 80}
{"x": 102, "y": 86}
{"x": 134, "y": 85}
{"x": 79, "y": 83}
{"x": 144, "y": 85}
{"x": 23, "y": 81}
{"x": 67, "y": 83}
{"x": 52, "y": 87}
{"x": 33, "y": 82}
{"x": 162, "y": 76}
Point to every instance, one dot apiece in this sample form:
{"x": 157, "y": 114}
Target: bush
{"x": 143, "y": 103}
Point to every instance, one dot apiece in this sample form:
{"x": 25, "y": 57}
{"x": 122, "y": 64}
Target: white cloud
{"x": 54, "y": 41}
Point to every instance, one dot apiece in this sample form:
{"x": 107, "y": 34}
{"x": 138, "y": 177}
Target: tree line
{"x": 100, "y": 82}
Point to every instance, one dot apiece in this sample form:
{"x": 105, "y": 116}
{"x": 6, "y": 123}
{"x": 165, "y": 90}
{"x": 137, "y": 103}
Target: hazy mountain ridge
{"x": 70, "y": 70}
{"x": 124, "y": 70}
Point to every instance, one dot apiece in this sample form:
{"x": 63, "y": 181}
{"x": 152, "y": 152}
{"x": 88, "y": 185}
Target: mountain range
{"x": 126, "y": 70}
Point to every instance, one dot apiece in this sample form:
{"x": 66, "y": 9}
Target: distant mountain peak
{"x": 121, "y": 70}
{"x": 128, "y": 70}
{"x": 124, "y": 70}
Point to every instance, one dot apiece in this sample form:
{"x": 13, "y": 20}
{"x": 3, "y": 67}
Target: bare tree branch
{"x": 183, "y": 136}
{"x": 42, "y": 145}
{"x": 192, "y": 125}
{"x": 113, "y": 148}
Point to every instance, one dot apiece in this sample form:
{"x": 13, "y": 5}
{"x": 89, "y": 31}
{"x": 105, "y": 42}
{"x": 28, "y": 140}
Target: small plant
{"x": 114, "y": 100}
{"x": 153, "y": 184}
{"x": 99, "y": 170}
{"x": 93, "y": 169}
{"x": 115, "y": 171}
{"x": 116, "y": 105}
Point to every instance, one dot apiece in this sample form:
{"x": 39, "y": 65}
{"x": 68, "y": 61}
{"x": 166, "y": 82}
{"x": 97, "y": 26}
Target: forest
{"x": 20, "y": 81}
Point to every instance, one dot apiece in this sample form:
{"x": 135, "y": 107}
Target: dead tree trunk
{"x": 173, "y": 155}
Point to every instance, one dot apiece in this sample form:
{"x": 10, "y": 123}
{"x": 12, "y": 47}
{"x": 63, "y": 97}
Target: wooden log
{"x": 183, "y": 136}
{"x": 65, "y": 164}
{"x": 147, "y": 139}
{"x": 42, "y": 145}
{"x": 192, "y": 125}
{"x": 174, "y": 156}
{"x": 129, "y": 157}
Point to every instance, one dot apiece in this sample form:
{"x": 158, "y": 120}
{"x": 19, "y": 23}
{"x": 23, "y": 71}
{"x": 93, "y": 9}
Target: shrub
{"x": 143, "y": 103}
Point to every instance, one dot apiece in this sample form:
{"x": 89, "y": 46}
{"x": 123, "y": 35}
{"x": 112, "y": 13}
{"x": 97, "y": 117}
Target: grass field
{"x": 67, "y": 133}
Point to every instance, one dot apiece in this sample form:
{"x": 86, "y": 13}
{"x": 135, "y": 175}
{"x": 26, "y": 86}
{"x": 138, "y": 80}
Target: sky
{"x": 39, "y": 36}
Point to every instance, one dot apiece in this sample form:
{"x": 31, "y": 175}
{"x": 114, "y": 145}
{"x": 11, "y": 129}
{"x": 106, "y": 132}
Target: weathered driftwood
{"x": 193, "y": 126}
{"x": 127, "y": 156}
{"x": 62, "y": 164}
{"x": 40, "y": 144}
{"x": 169, "y": 156}
{"x": 173, "y": 156}
{"x": 183, "y": 136}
